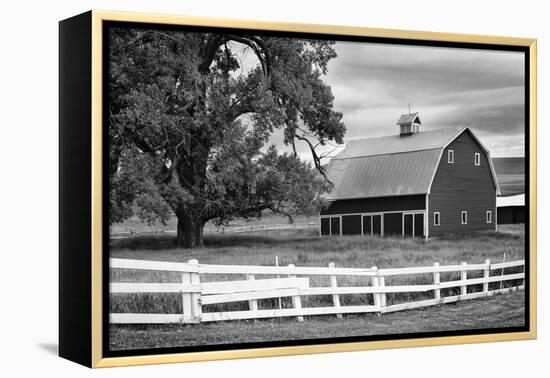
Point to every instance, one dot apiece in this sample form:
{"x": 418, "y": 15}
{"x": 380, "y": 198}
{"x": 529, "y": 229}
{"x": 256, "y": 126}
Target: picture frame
{"x": 84, "y": 265}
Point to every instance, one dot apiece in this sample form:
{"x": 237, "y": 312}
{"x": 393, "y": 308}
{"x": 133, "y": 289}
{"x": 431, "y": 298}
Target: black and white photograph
{"x": 276, "y": 189}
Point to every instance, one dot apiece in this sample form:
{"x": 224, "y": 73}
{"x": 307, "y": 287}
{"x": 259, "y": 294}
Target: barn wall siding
{"x": 367, "y": 205}
{"x": 462, "y": 186}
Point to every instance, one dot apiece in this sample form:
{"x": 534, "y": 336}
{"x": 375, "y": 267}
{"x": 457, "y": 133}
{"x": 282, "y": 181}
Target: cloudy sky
{"x": 373, "y": 84}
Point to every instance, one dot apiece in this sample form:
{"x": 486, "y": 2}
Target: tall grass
{"x": 306, "y": 248}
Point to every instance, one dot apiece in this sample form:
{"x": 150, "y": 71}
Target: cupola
{"x": 409, "y": 124}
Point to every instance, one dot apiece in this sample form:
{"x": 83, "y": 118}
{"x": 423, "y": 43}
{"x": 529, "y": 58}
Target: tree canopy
{"x": 189, "y": 128}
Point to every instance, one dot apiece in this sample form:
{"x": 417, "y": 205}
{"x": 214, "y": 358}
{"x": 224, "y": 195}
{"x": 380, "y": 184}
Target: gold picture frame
{"x": 95, "y": 20}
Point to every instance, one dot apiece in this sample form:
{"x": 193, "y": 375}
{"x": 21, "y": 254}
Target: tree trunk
{"x": 190, "y": 231}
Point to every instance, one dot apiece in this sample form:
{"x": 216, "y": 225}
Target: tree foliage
{"x": 189, "y": 128}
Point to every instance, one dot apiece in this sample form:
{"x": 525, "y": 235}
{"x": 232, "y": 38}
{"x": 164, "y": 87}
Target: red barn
{"x": 416, "y": 183}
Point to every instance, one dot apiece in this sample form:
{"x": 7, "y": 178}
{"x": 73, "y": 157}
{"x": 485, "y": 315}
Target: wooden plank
{"x": 410, "y": 305}
{"x": 226, "y": 287}
{"x": 450, "y": 299}
{"x": 152, "y": 265}
{"x": 282, "y": 270}
{"x": 248, "y": 296}
{"x": 366, "y": 289}
{"x": 476, "y": 281}
{"x": 334, "y": 284}
{"x": 149, "y": 318}
{"x": 130, "y": 287}
{"x": 235, "y": 315}
{"x": 508, "y": 264}
{"x": 250, "y": 269}
{"x": 276, "y": 313}
{"x": 430, "y": 269}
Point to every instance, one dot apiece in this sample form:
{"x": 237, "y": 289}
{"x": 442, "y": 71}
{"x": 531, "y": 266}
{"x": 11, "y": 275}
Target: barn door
{"x": 419, "y": 225}
{"x": 335, "y": 226}
{"x": 377, "y": 224}
{"x": 408, "y": 226}
{"x": 367, "y": 225}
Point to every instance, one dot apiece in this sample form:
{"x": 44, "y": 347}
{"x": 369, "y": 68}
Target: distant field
{"x": 268, "y": 220}
{"x": 303, "y": 247}
{"x": 510, "y": 174}
{"x": 511, "y": 184}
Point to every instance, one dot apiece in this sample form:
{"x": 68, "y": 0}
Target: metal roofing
{"x": 383, "y": 175}
{"x": 408, "y": 119}
{"x": 392, "y": 144}
{"x": 391, "y": 165}
{"x": 518, "y": 200}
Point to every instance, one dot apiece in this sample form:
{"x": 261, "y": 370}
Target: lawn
{"x": 303, "y": 247}
{"x": 505, "y": 310}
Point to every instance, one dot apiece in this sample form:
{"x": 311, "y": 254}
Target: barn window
{"x": 450, "y": 156}
{"x": 437, "y": 218}
{"x": 477, "y": 158}
{"x": 489, "y": 218}
{"x": 464, "y": 217}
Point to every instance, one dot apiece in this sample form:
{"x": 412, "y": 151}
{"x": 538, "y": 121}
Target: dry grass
{"x": 498, "y": 311}
{"x": 306, "y": 248}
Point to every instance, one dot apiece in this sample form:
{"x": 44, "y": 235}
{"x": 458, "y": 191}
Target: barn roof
{"x": 392, "y": 144}
{"x": 390, "y": 165}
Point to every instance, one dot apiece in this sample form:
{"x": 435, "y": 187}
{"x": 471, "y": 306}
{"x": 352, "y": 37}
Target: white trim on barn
{"x": 451, "y": 156}
{"x": 373, "y": 213}
{"x": 464, "y": 217}
{"x": 437, "y": 215}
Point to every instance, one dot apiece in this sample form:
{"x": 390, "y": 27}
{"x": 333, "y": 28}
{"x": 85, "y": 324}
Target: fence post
{"x": 196, "y": 307}
{"x": 187, "y": 297}
{"x": 437, "y": 281}
{"x": 296, "y": 300}
{"x": 252, "y": 304}
{"x": 486, "y": 275}
{"x": 463, "y": 277}
{"x": 335, "y": 297}
{"x": 382, "y": 283}
{"x": 375, "y": 283}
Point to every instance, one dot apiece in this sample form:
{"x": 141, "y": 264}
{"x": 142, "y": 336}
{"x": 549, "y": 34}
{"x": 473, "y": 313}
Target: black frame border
{"x": 106, "y": 353}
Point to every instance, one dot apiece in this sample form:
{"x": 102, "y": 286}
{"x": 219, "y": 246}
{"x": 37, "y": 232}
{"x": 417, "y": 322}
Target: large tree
{"x": 189, "y": 126}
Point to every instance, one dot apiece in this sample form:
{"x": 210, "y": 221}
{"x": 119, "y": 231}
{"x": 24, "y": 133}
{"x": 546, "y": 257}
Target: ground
{"x": 498, "y": 311}
{"x": 259, "y": 243}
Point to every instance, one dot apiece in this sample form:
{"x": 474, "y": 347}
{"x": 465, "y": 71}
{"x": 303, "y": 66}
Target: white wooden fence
{"x": 294, "y": 282}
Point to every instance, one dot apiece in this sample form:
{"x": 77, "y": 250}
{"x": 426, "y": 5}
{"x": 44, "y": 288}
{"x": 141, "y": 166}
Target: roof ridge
{"x": 422, "y": 132}
{"x": 386, "y": 153}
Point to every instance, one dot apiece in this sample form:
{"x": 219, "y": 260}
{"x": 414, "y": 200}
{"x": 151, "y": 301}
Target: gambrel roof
{"x": 392, "y": 165}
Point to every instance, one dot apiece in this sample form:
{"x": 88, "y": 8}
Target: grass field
{"x": 497, "y": 311}
{"x": 303, "y": 247}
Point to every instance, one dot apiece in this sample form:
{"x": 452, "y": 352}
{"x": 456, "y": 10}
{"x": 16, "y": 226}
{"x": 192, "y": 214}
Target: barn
{"x": 511, "y": 209}
{"x": 414, "y": 184}
{"x": 510, "y": 173}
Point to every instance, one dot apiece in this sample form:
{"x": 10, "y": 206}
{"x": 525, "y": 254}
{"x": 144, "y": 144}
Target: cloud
{"x": 373, "y": 83}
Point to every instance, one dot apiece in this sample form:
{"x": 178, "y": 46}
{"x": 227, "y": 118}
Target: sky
{"x": 374, "y": 83}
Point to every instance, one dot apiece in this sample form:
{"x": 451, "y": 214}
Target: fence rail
{"x": 293, "y": 284}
